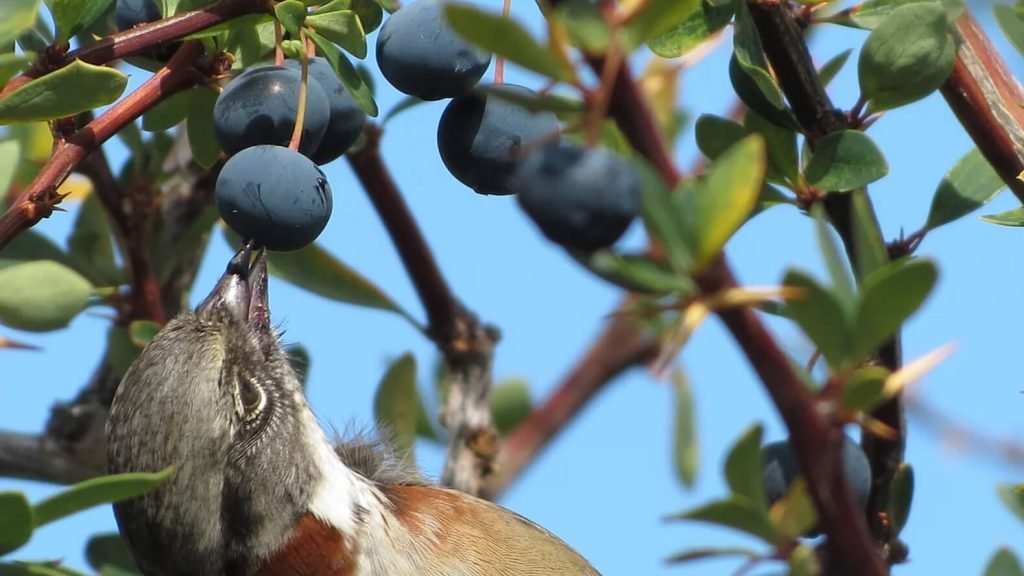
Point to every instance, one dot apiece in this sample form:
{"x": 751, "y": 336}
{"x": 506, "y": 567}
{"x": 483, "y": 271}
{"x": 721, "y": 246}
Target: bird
{"x": 260, "y": 489}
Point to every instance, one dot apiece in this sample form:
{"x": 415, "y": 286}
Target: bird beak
{"x": 241, "y": 293}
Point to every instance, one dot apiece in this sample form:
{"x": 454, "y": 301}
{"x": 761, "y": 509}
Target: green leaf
{"x": 870, "y": 14}
{"x": 656, "y": 18}
{"x": 743, "y": 467}
{"x": 822, "y": 317}
{"x": 830, "y": 69}
{"x": 74, "y": 88}
{"x": 794, "y": 515}
{"x": 1010, "y": 20}
{"x": 1004, "y": 563}
{"x": 1013, "y": 218}
{"x": 37, "y": 569}
{"x": 969, "y": 185}
{"x": 734, "y": 512}
{"x": 19, "y": 16}
{"x": 697, "y": 27}
{"x": 888, "y": 297}
{"x": 201, "y": 138}
{"x": 96, "y": 491}
{"x": 635, "y": 272}
{"x": 395, "y": 404}
{"x": 803, "y": 561}
{"x": 369, "y": 12}
{"x": 535, "y": 102}
{"x": 662, "y": 215}
{"x": 584, "y": 24}
{"x": 30, "y": 245}
{"x": 703, "y": 553}
{"x": 506, "y": 38}
{"x": 901, "y": 496}
{"x": 343, "y": 28}
{"x": 685, "y": 451}
{"x": 716, "y": 134}
{"x": 142, "y": 331}
{"x": 1013, "y": 496}
{"x": 121, "y": 351}
{"x": 845, "y": 160}
{"x": 10, "y": 154}
{"x": 300, "y": 360}
{"x": 863, "y": 391}
{"x": 16, "y": 523}
{"x": 907, "y": 57}
{"x": 783, "y": 158}
{"x": 349, "y": 76}
{"x": 11, "y": 64}
{"x": 73, "y": 16}
{"x": 170, "y": 112}
{"x": 716, "y": 208}
{"x": 291, "y": 14}
{"x": 832, "y": 254}
{"x": 871, "y": 251}
{"x": 510, "y": 404}
{"x": 751, "y": 94}
{"x": 750, "y": 56}
{"x": 109, "y": 551}
{"x": 41, "y": 295}
{"x": 90, "y": 247}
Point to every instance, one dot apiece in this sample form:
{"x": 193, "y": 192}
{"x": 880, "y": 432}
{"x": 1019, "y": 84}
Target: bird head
{"x": 214, "y": 395}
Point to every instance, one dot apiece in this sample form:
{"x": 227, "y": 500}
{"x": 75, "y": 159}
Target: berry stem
{"x": 300, "y": 114}
{"x": 499, "y": 63}
{"x": 278, "y": 39}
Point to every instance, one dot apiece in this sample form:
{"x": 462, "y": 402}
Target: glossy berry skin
{"x": 275, "y": 196}
{"x": 583, "y": 199}
{"x": 780, "y": 468}
{"x": 260, "y": 107}
{"x": 131, "y": 13}
{"x": 346, "y": 118}
{"x": 420, "y": 54}
{"x": 481, "y": 137}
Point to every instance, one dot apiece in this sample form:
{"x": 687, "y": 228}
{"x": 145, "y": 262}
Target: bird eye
{"x": 249, "y": 398}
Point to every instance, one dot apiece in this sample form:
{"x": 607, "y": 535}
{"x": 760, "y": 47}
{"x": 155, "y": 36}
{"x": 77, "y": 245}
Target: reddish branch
{"x": 986, "y": 99}
{"x": 815, "y": 439}
{"x": 441, "y": 306}
{"x": 467, "y": 344}
{"x": 621, "y": 344}
{"x": 141, "y": 38}
{"x": 40, "y": 197}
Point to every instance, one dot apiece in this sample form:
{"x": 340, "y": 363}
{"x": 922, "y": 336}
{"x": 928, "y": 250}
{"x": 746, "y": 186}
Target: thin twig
{"x": 37, "y": 201}
{"x": 40, "y": 458}
{"x": 466, "y": 343}
{"x": 140, "y": 39}
{"x": 621, "y": 344}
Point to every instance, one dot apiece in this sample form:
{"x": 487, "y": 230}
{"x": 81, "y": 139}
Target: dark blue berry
{"x": 274, "y": 196}
{"x": 131, "y": 13}
{"x": 581, "y": 198}
{"x": 482, "y": 136}
{"x": 346, "y": 118}
{"x": 420, "y": 54}
{"x": 260, "y": 107}
{"x": 780, "y": 469}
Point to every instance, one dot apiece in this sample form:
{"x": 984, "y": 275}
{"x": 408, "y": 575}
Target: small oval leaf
{"x": 16, "y": 523}
{"x": 41, "y": 295}
{"x": 70, "y": 90}
{"x": 96, "y": 491}
{"x": 845, "y": 160}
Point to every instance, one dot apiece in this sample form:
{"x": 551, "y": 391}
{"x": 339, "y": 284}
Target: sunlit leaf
{"x": 74, "y": 88}
{"x": 96, "y": 491}
{"x": 968, "y": 185}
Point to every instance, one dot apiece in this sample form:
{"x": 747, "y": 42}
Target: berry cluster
{"x": 266, "y": 191}
{"x": 583, "y": 199}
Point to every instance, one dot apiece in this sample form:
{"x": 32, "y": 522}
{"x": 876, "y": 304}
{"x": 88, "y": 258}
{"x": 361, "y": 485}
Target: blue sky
{"x": 606, "y": 483}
